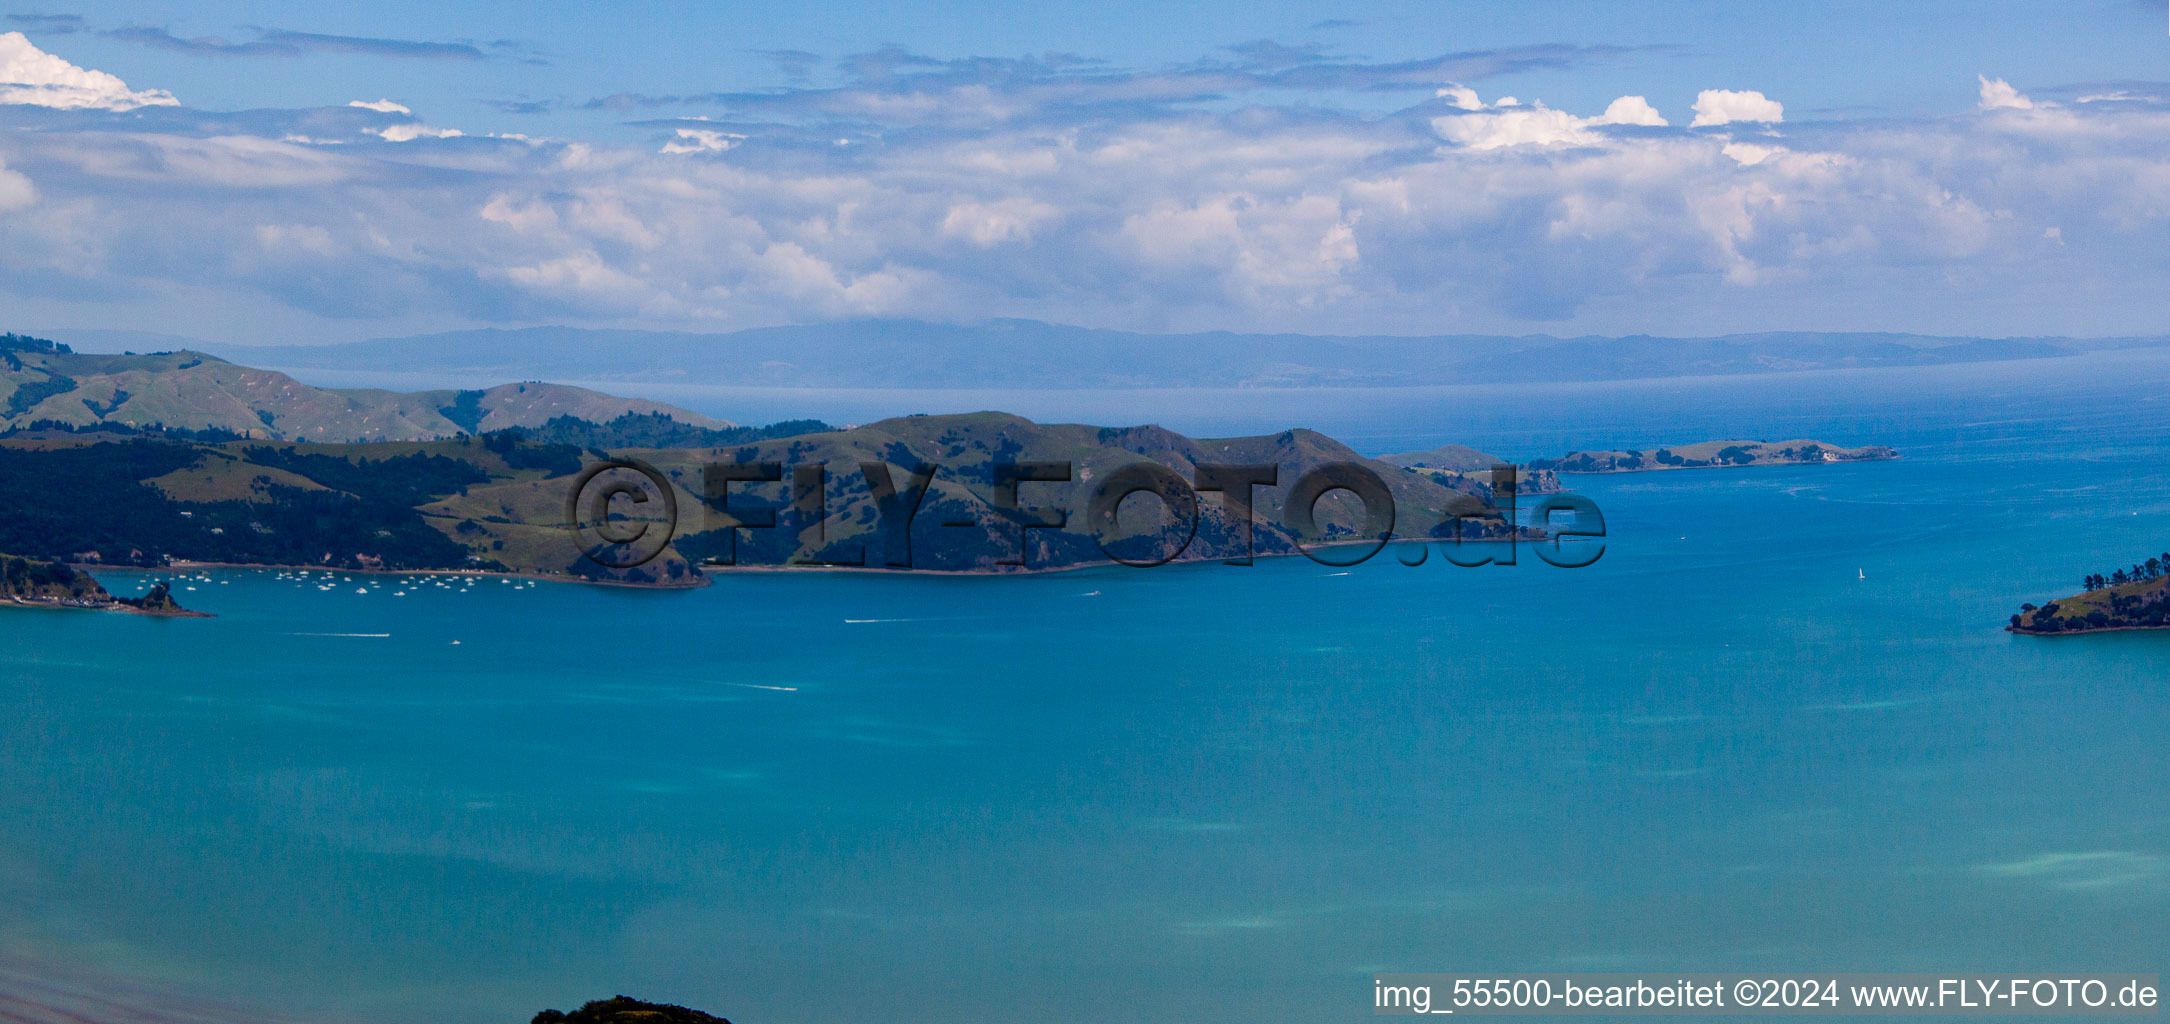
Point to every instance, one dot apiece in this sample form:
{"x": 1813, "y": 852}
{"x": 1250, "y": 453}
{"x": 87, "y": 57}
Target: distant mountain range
{"x": 44, "y": 383}
{"x": 1030, "y": 354}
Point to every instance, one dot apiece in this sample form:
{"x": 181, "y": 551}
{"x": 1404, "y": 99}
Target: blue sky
{"x": 1395, "y": 167}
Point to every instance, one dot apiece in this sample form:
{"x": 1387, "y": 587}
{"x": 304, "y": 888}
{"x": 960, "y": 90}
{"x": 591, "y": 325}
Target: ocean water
{"x": 1776, "y": 727}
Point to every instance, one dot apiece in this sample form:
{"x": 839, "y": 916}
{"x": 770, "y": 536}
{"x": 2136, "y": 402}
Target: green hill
{"x": 2135, "y": 598}
{"x": 965, "y": 447}
{"x": 44, "y": 383}
{"x": 498, "y": 502}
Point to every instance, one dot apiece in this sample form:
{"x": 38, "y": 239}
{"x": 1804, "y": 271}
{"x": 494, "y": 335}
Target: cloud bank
{"x": 1059, "y": 189}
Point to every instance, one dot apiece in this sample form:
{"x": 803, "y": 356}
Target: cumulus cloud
{"x": 380, "y": 106}
{"x": 1508, "y": 123}
{"x": 1725, "y": 106}
{"x": 33, "y": 77}
{"x": 1632, "y": 110}
{"x": 1998, "y": 94}
{"x": 1456, "y": 215}
{"x": 1462, "y": 96}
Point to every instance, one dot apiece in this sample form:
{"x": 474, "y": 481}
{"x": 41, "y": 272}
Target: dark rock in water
{"x": 627, "y": 1010}
{"x": 157, "y": 599}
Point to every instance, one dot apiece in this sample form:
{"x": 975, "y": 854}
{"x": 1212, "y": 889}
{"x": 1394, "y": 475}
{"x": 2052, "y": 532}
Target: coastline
{"x": 2082, "y": 632}
{"x": 539, "y": 577}
{"x": 707, "y": 571}
{"x": 1727, "y": 465}
{"x": 65, "y": 606}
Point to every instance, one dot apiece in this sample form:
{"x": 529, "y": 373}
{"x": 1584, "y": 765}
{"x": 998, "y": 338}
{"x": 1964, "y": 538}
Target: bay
{"x": 1776, "y": 727}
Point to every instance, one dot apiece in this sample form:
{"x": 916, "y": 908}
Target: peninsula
{"x": 2133, "y": 598}
{"x": 1714, "y": 455}
{"x": 26, "y": 583}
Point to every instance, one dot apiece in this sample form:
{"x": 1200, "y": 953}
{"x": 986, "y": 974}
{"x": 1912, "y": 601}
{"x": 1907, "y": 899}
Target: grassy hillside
{"x": 961, "y": 492}
{"x": 2135, "y": 598}
{"x": 498, "y": 502}
{"x": 44, "y": 383}
{"x": 1458, "y": 460}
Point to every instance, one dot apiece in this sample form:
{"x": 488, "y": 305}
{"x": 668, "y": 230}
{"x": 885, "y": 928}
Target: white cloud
{"x": 1632, "y": 110}
{"x": 1508, "y": 123}
{"x": 1725, "y": 106}
{"x": 1462, "y": 96}
{"x": 1998, "y": 94}
{"x": 1253, "y": 218}
{"x": 30, "y": 76}
{"x": 380, "y": 106}
{"x": 702, "y": 140}
{"x": 414, "y": 130}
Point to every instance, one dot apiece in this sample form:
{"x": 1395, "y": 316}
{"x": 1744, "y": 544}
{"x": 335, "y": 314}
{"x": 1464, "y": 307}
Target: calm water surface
{"x": 1776, "y": 727}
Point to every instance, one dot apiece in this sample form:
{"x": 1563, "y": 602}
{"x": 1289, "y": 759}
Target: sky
{"x": 259, "y": 173}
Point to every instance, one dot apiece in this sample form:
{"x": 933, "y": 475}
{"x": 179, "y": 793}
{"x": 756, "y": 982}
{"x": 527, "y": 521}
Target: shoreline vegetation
{"x": 2125, "y": 599}
{"x": 27, "y": 583}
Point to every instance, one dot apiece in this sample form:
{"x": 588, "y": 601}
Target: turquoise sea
{"x": 1776, "y": 727}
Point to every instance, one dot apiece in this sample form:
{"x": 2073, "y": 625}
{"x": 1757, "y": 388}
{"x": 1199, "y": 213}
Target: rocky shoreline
{"x": 25, "y": 583}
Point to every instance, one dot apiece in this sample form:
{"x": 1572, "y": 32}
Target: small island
{"x": 1714, "y": 455}
{"x": 2134, "y": 598}
{"x": 25, "y": 583}
{"x": 627, "y": 1010}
